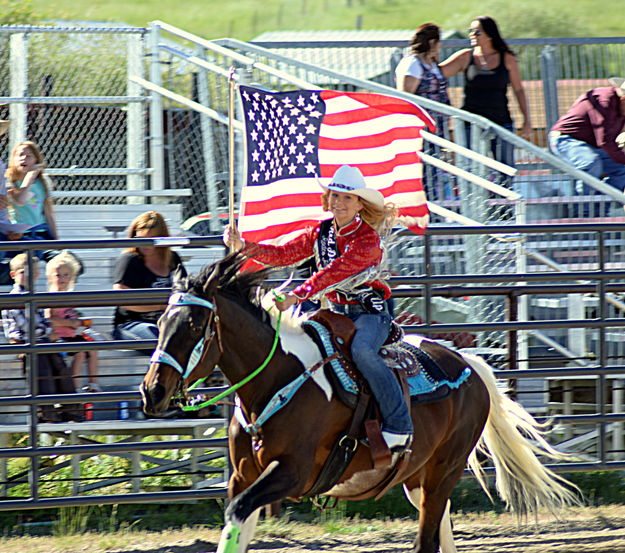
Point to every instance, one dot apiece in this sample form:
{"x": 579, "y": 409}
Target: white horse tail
{"x": 513, "y": 439}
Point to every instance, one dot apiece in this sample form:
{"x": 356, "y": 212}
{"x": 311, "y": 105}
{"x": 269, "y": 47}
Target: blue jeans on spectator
{"x": 592, "y": 160}
{"x": 371, "y": 333}
{"x": 136, "y": 330}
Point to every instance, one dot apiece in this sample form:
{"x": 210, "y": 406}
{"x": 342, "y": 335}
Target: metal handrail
{"x": 478, "y": 120}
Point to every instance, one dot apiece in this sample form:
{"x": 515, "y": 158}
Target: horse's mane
{"x": 243, "y": 287}
{"x": 247, "y": 288}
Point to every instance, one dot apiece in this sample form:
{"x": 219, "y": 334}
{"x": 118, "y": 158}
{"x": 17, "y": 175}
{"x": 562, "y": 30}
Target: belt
{"x": 556, "y": 134}
{"x": 351, "y": 309}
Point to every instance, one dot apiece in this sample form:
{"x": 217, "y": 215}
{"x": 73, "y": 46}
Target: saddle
{"x": 342, "y": 330}
{"x": 422, "y": 378}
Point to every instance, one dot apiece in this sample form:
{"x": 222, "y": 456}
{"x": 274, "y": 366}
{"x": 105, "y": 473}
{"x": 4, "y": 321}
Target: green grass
{"x": 245, "y": 19}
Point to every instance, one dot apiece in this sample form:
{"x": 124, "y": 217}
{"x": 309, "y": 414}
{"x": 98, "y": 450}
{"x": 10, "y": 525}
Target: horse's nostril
{"x": 158, "y": 393}
{"x": 152, "y": 398}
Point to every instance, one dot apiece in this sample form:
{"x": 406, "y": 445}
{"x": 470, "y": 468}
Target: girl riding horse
{"x": 348, "y": 253}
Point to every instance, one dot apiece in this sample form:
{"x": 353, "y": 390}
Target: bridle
{"x": 200, "y": 349}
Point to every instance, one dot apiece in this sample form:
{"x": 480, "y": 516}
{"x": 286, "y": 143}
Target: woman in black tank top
{"x": 489, "y": 66}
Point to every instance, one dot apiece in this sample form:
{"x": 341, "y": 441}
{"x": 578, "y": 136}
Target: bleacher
{"x": 118, "y": 369}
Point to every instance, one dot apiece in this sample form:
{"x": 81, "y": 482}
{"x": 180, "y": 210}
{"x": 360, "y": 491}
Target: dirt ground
{"x": 599, "y": 530}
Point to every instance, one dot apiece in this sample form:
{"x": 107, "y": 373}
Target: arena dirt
{"x": 596, "y": 530}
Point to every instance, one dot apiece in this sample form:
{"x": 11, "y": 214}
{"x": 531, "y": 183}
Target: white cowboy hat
{"x": 349, "y": 180}
{"x": 4, "y": 126}
{"x": 619, "y": 84}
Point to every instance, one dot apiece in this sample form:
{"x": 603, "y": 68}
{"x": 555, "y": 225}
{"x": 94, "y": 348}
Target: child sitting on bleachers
{"x": 62, "y": 271}
{"x": 53, "y": 375}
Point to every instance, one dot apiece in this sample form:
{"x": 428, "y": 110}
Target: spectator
{"x": 29, "y": 192}
{"x": 53, "y": 375}
{"x": 591, "y": 135}
{"x": 419, "y": 73}
{"x": 489, "y": 66}
{"x": 62, "y": 272}
{"x": 8, "y": 230}
{"x": 30, "y": 202}
{"x": 143, "y": 267}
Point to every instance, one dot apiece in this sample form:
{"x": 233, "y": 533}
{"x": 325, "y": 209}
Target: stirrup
{"x": 397, "y": 443}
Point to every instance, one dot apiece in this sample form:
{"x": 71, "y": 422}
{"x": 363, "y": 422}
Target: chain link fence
{"x": 67, "y": 90}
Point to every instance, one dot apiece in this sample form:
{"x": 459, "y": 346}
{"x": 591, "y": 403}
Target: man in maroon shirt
{"x": 591, "y": 135}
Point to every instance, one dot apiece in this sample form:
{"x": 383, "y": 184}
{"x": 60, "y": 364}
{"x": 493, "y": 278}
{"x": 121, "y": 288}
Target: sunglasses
{"x": 475, "y": 32}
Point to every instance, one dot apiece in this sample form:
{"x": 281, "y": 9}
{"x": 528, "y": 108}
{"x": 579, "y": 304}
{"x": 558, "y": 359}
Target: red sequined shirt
{"x": 359, "y": 249}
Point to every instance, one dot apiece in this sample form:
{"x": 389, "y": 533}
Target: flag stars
{"x": 281, "y": 131}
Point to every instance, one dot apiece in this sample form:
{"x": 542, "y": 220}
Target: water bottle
{"x": 124, "y": 412}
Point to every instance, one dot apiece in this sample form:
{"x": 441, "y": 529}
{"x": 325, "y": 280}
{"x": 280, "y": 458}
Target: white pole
{"x": 135, "y": 123}
{"x": 157, "y": 179}
{"x": 19, "y": 88}
{"x": 231, "y": 90}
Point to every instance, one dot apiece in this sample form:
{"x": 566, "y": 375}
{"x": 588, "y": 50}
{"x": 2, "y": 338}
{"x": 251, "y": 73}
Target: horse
{"x": 217, "y": 318}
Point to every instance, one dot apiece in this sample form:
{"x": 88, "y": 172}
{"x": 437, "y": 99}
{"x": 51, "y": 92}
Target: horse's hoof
{"x": 229, "y": 542}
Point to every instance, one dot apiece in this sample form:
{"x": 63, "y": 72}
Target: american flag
{"x": 297, "y": 140}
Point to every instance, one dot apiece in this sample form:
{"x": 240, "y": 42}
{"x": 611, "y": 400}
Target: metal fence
{"x": 462, "y": 189}
{"x": 66, "y": 88}
{"x": 589, "y": 419}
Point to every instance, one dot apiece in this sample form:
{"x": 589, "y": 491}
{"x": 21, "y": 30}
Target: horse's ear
{"x": 211, "y": 282}
{"x": 179, "y": 280}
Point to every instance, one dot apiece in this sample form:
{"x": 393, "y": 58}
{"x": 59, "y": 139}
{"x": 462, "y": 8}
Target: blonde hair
{"x": 20, "y": 261}
{"x": 63, "y": 259}
{"x": 13, "y": 174}
{"x": 151, "y": 221}
{"x": 381, "y": 219}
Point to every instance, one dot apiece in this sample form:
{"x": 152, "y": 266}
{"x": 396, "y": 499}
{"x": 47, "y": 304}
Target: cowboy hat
{"x": 349, "y": 180}
{"x": 619, "y": 84}
{"x": 4, "y": 126}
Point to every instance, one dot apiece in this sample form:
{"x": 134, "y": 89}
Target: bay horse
{"x": 216, "y": 318}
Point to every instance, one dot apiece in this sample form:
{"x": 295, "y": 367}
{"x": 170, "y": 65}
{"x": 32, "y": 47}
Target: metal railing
{"x": 603, "y": 448}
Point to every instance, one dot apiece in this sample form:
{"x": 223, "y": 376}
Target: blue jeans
{"x": 136, "y": 330}
{"x": 594, "y": 161}
{"x": 371, "y": 333}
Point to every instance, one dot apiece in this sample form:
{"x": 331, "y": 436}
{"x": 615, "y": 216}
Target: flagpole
{"x": 231, "y": 88}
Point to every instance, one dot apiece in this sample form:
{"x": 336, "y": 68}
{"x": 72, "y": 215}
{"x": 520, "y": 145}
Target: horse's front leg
{"x": 278, "y": 480}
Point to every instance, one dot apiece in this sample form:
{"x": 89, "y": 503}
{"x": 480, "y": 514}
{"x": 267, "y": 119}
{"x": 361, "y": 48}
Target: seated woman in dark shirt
{"x": 150, "y": 267}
